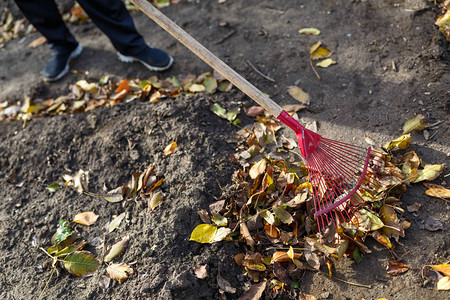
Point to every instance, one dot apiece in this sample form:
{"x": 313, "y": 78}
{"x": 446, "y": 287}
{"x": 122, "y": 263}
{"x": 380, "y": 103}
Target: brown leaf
{"x": 37, "y": 42}
{"x": 258, "y": 168}
{"x": 306, "y": 297}
{"x": 225, "y": 285}
{"x": 389, "y": 218}
{"x": 86, "y": 218}
{"x": 281, "y": 256}
{"x": 201, "y": 271}
{"x": 280, "y": 272}
{"x": 396, "y": 268}
{"x": 116, "y": 249}
{"x": 254, "y": 292}
{"x": 413, "y": 207}
{"x": 120, "y": 272}
{"x": 299, "y": 95}
{"x": 254, "y": 111}
{"x": 444, "y": 284}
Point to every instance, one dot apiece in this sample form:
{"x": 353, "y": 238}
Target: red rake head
{"x": 336, "y": 171}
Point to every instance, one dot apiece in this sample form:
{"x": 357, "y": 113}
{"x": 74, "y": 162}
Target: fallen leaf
{"x": 433, "y": 224}
{"x": 219, "y": 220}
{"x": 413, "y": 207}
{"x": 429, "y": 172}
{"x": 104, "y": 282}
{"x": 116, "y": 249}
{"x": 382, "y": 239}
{"x": 79, "y": 181}
{"x": 280, "y": 272}
{"x": 443, "y": 268}
{"x": 203, "y": 233}
{"x": 155, "y": 200}
{"x": 170, "y": 148}
{"x": 53, "y": 187}
{"x": 437, "y": 191}
{"x": 91, "y": 88}
{"x": 254, "y": 111}
{"x": 221, "y": 234}
{"x": 299, "y": 95}
{"x": 258, "y": 169}
{"x": 81, "y": 263}
{"x": 115, "y": 223}
{"x": 86, "y": 218}
{"x": 210, "y": 84}
{"x": 123, "y": 86}
{"x": 402, "y": 142}
{"x": 389, "y": 218}
{"x": 293, "y": 108}
{"x": 254, "y": 292}
{"x": 444, "y": 284}
{"x": 225, "y": 285}
{"x": 197, "y": 88}
{"x": 307, "y": 297}
{"x": 201, "y": 271}
{"x": 309, "y": 31}
{"x": 120, "y": 272}
{"x": 396, "y": 268}
{"x": 317, "y": 51}
{"x": 37, "y": 42}
{"x": 62, "y": 232}
{"x": 283, "y": 215}
{"x": 326, "y": 63}
{"x": 416, "y": 123}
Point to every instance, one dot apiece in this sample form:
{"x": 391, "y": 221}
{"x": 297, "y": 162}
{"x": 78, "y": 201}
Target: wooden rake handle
{"x": 213, "y": 61}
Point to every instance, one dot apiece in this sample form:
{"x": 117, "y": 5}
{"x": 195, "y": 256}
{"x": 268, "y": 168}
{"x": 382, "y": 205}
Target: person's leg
{"x": 45, "y": 17}
{"x": 112, "y": 17}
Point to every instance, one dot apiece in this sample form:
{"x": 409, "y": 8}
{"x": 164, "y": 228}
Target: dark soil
{"x": 362, "y": 94}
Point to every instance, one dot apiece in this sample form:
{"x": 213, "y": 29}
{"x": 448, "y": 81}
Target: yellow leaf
{"x": 443, "y": 268}
{"x": 155, "y": 200}
{"x": 402, "y": 142}
{"x": 87, "y": 87}
{"x": 309, "y": 31}
{"x": 444, "y": 20}
{"x": 258, "y": 169}
{"x": 390, "y": 219}
{"x": 203, "y": 233}
{"x": 316, "y": 51}
{"x": 429, "y": 172}
{"x": 299, "y": 95}
{"x": 437, "y": 191}
{"x": 326, "y": 63}
{"x": 382, "y": 239}
{"x": 115, "y": 223}
{"x": 85, "y": 218}
{"x": 304, "y": 185}
{"x": 444, "y": 284}
{"x": 291, "y": 253}
{"x": 415, "y": 123}
{"x": 170, "y": 148}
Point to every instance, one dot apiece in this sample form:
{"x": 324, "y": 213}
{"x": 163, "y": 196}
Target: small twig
{"x": 259, "y": 72}
{"x": 46, "y": 285}
{"x": 348, "y": 282}
{"x": 314, "y": 69}
{"x": 226, "y": 37}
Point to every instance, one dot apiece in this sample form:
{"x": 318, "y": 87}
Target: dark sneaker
{"x": 58, "y": 64}
{"x": 153, "y": 58}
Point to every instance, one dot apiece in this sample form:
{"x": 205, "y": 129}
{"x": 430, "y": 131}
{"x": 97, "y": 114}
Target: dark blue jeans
{"x": 110, "y": 16}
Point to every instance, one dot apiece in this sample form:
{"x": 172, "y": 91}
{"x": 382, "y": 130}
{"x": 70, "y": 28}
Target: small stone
{"x": 324, "y": 295}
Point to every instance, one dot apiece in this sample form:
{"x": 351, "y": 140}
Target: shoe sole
{"x": 75, "y": 53}
{"x": 130, "y": 59}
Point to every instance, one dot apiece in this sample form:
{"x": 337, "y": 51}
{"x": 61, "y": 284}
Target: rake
{"x": 337, "y": 171}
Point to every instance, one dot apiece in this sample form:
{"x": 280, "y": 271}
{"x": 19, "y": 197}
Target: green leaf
{"x": 416, "y": 123}
{"x": 357, "y": 255}
{"x": 116, "y": 249}
{"x": 203, "y": 233}
{"x": 62, "y": 232}
{"x": 283, "y": 215}
{"x": 81, "y": 263}
{"x": 53, "y": 187}
{"x": 210, "y": 84}
{"x": 219, "y": 110}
